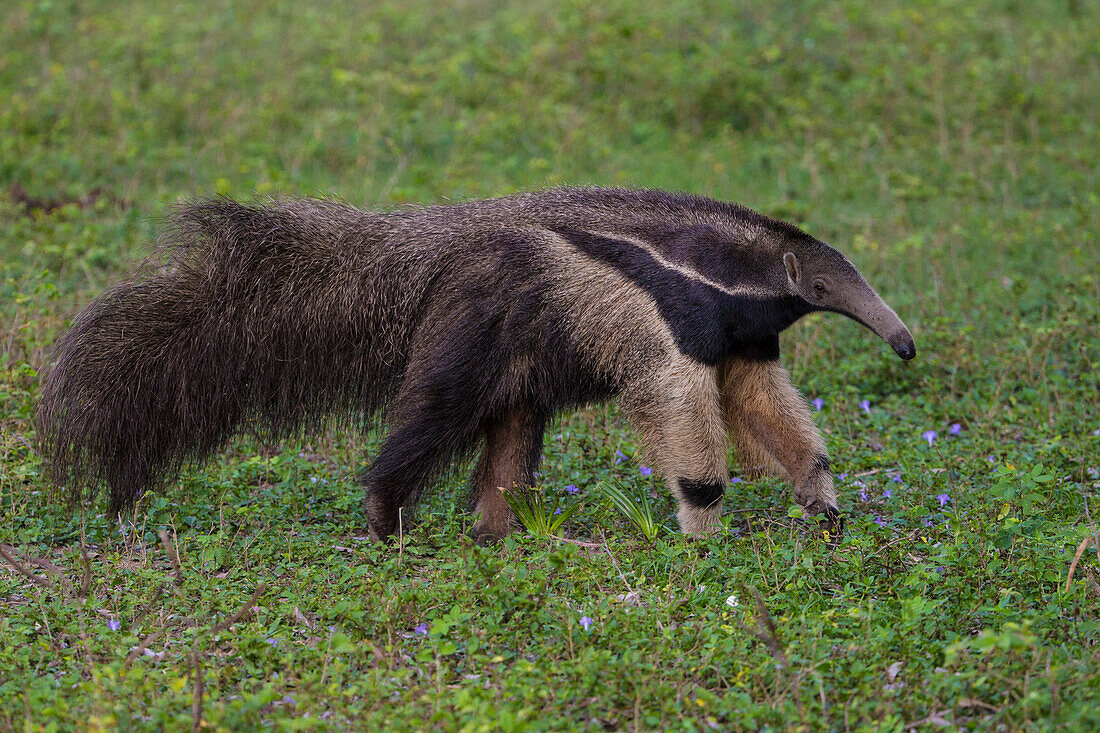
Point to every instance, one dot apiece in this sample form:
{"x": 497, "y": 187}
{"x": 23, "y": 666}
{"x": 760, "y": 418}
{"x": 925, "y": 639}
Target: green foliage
{"x": 1024, "y": 488}
{"x": 637, "y": 510}
{"x": 949, "y": 149}
{"x": 535, "y": 513}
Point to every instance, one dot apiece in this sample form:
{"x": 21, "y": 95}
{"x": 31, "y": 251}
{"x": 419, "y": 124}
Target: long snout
{"x": 870, "y": 310}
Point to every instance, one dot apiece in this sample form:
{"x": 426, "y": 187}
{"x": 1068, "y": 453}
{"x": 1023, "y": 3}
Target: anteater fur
{"x": 460, "y": 325}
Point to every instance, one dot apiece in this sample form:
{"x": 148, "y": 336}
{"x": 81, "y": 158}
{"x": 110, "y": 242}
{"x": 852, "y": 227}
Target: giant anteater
{"x": 459, "y": 325}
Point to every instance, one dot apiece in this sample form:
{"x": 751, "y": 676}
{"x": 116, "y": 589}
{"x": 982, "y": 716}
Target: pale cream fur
{"x": 773, "y": 430}
{"x": 679, "y": 418}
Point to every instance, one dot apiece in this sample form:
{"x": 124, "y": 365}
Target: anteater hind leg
{"x": 420, "y": 445}
{"x": 513, "y": 447}
{"x": 770, "y": 423}
{"x": 680, "y": 418}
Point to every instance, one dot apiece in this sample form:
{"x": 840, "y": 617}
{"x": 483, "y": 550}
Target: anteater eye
{"x": 819, "y": 287}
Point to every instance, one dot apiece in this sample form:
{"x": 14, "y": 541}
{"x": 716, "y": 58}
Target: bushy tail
{"x": 256, "y": 315}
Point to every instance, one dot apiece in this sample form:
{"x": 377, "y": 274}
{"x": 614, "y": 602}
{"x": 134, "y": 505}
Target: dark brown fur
{"x": 460, "y": 325}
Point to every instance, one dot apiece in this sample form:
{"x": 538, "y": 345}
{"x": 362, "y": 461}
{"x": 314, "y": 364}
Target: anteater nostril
{"x": 906, "y": 349}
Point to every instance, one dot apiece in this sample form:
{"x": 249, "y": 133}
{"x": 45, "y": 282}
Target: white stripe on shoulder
{"x": 740, "y": 290}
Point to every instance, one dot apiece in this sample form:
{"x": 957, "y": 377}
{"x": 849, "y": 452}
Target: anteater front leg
{"x": 513, "y": 447}
{"x": 680, "y": 419}
{"x": 770, "y": 424}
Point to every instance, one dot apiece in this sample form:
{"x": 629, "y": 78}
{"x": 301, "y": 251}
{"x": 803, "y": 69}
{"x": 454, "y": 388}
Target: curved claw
{"x": 834, "y": 524}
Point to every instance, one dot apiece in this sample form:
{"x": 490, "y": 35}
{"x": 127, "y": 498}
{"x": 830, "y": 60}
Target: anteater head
{"x": 827, "y": 281}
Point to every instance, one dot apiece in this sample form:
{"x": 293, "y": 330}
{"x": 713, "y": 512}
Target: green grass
{"x": 949, "y": 149}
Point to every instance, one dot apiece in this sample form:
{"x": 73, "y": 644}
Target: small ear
{"x": 794, "y": 272}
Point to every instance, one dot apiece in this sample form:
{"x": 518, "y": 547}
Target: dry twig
{"x": 1076, "y": 558}
{"x": 236, "y": 616}
{"x": 9, "y": 554}
{"x": 196, "y": 700}
{"x": 173, "y": 556}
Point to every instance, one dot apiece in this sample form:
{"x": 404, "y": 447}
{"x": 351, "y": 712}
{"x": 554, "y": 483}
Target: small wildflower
{"x": 619, "y": 456}
{"x": 887, "y": 493}
{"x": 818, "y": 403}
{"x": 288, "y": 700}
{"x": 586, "y": 622}
{"x": 558, "y": 510}
{"x": 645, "y": 470}
{"x": 841, "y": 476}
{"x": 992, "y": 459}
{"x": 272, "y": 642}
{"x": 857, "y": 482}
{"x": 866, "y": 406}
{"x": 928, "y": 522}
{"x": 732, "y": 602}
{"x": 896, "y": 479}
{"x": 735, "y": 480}
{"x": 943, "y": 499}
{"x": 929, "y": 435}
{"x": 955, "y": 428}
{"x": 863, "y": 495}
{"x": 113, "y": 624}
{"x": 880, "y": 521}
{"x": 422, "y": 629}
{"x": 571, "y": 489}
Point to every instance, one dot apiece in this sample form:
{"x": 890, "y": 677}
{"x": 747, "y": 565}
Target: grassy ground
{"x": 949, "y": 149}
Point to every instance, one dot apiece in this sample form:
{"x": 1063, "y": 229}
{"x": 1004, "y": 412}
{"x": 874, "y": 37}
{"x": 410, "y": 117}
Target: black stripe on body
{"x": 707, "y": 323}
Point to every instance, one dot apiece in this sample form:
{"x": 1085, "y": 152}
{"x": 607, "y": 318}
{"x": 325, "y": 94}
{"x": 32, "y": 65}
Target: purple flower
{"x": 880, "y": 521}
{"x": 887, "y": 493}
{"x": 619, "y": 456}
{"x": 841, "y": 476}
{"x": 113, "y": 624}
{"x": 943, "y": 499}
{"x": 928, "y": 522}
{"x": 645, "y": 470}
{"x": 955, "y": 428}
{"x": 558, "y": 510}
{"x": 857, "y": 482}
{"x": 735, "y": 480}
{"x": 571, "y": 489}
{"x": 818, "y": 403}
{"x": 929, "y": 435}
{"x": 422, "y": 629}
{"x": 863, "y": 495}
{"x": 992, "y": 459}
{"x": 288, "y": 700}
{"x": 586, "y": 622}
{"x": 866, "y": 406}
{"x": 272, "y": 642}
{"x": 896, "y": 479}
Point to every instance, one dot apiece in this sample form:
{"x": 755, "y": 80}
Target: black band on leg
{"x": 702, "y": 494}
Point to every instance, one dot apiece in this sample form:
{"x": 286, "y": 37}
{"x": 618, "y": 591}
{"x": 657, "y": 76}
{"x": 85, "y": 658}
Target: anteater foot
{"x": 382, "y": 519}
{"x": 832, "y": 524}
{"x": 491, "y": 533}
